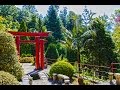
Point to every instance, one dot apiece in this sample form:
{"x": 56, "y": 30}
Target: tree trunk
{"x": 78, "y": 58}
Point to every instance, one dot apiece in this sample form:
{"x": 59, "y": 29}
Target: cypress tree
{"x": 53, "y": 23}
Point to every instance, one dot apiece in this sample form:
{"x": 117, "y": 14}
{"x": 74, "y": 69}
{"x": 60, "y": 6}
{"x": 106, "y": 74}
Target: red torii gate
{"x": 39, "y": 42}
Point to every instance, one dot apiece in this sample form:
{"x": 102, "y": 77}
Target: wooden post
{"x": 112, "y": 67}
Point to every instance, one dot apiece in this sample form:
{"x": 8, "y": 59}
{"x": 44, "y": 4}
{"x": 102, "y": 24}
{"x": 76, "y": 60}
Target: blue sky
{"x": 78, "y": 9}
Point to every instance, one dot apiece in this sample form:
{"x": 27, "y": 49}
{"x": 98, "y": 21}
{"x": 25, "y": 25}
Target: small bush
{"x": 7, "y": 79}
{"x": 62, "y": 67}
{"x": 27, "y": 59}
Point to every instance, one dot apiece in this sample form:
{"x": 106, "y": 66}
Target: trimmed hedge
{"x": 8, "y": 56}
{"x": 26, "y": 55}
{"x": 8, "y": 79}
{"x": 27, "y": 59}
{"x": 62, "y": 67}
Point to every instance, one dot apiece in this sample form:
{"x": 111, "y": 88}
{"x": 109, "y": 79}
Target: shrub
{"x": 27, "y": 59}
{"x": 62, "y": 67}
{"x": 17, "y": 71}
{"x": 61, "y": 49}
{"x": 8, "y": 55}
{"x": 52, "y": 52}
{"x": 7, "y": 79}
{"x": 71, "y": 55}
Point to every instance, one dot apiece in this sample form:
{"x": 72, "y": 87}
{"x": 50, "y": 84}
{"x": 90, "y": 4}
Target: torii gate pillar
{"x": 41, "y": 53}
{"x": 17, "y": 39}
{"x": 37, "y": 65}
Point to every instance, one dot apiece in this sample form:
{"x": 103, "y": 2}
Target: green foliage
{"x": 70, "y": 20}
{"x": 73, "y": 38}
{"x": 103, "y": 46}
{"x": 62, "y": 67}
{"x": 33, "y": 23}
{"x": 52, "y": 52}
{"x": 26, "y": 55}
{"x": 30, "y": 8}
{"x": 40, "y": 24}
{"x": 8, "y": 10}
{"x": 23, "y": 26}
{"x": 27, "y": 49}
{"x": 44, "y": 29}
{"x": 71, "y": 55}
{"x": 63, "y": 16}
{"x": 8, "y": 55}
{"x": 7, "y": 25}
{"x": 61, "y": 49}
{"x": 17, "y": 71}
{"x": 27, "y": 59}
{"x": 116, "y": 36}
{"x": 53, "y": 23}
{"x": 10, "y": 13}
{"x": 2, "y": 23}
{"x": 60, "y": 58}
{"x": 7, "y": 79}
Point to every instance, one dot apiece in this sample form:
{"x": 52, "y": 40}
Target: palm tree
{"x": 78, "y": 38}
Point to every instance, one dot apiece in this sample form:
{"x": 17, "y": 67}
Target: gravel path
{"x": 107, "y": 83}
{"x": 28, "y": 68}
